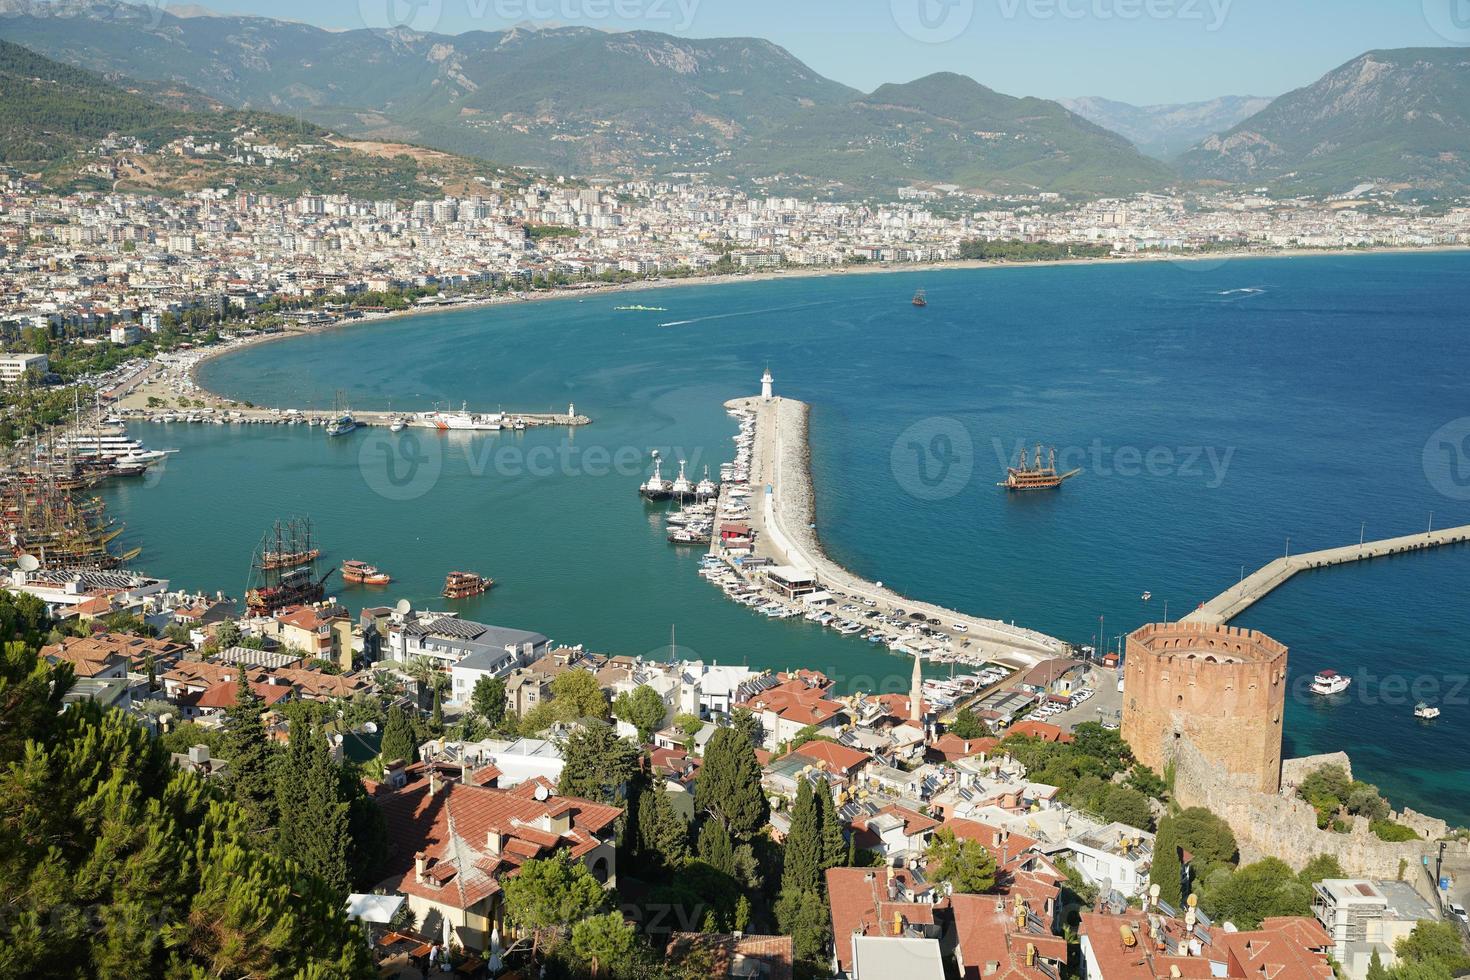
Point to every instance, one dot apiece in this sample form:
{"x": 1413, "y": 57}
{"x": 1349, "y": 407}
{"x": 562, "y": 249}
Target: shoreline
{"x": 804, "y": 272}
{"x": 787, "y": 533}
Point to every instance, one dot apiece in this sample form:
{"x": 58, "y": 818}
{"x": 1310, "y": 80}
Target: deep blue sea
{"x": 1215, "y": 411}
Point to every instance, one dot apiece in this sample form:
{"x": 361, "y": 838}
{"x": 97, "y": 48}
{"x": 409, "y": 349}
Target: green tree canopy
{"x": 968, "y": 725}
{"x": 598, "y": 764}
{"x": 729, "y": 784}
{"x": 552, "y": 893}
{"x": 966, "y": 864}
{"x": 488, "y": 699}
{"x": 398, "y": 738}
{"x": 644, "y": 709}
{"x": 577, "y": 696}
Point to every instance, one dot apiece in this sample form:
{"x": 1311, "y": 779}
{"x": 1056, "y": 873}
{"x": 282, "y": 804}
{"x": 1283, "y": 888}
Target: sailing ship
{"x": 920, "y": 299}
{"x": 464, "y": 585}
{"x": 1041, "y": 474}
{"x": 281, "y": 570}
{"x": 288, "y": 545}
{"x": 362, "y": 573}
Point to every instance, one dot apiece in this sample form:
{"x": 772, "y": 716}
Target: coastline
{"x": 787, "y": 533}
{"x": 804, "y": 272}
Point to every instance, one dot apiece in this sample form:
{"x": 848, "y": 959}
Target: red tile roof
{"x": 859, "y": 902}
{"x": 1041, "y": 730}
{"x": 986, "y": 932}
{"x": 834, "y": 758}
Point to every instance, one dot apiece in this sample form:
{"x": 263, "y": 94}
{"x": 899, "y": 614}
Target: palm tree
{"x": 427, "y": 674}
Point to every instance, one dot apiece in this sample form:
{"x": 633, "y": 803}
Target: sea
{"x": 1218, "y": 413}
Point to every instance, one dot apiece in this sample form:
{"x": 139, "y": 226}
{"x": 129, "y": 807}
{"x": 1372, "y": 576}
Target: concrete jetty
{"x": 1256, "y": 586}
{"x": 297, "y": 416}
{"x": 782, "y": 515}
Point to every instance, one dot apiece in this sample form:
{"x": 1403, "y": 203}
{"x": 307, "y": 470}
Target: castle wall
{"x": 1223, "y": 688}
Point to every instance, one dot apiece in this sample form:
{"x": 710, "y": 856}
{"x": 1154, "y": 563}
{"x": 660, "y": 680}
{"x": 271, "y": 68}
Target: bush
{"x": 1392, "y": 832}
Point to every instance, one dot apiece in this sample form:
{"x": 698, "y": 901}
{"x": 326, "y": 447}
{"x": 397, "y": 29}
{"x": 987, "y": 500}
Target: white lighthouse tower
{"x": 766, "y": 380}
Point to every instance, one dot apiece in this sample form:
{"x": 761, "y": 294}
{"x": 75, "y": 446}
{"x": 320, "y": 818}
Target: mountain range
{"x": 593, "y": 103}
{"x": 1165, "y": 131}
{"x": 576, "y": 100}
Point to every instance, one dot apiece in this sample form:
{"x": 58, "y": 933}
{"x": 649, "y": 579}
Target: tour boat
{"x": 1330, "y": 682}
{"x": 341, "y": 425}
{"x": 920, "y": 299}
{"x": 1042, "y": 475}
{"x": 1425, "y": 711}
{"x": 363, "y": 573}
{"x": 463, "y": 585}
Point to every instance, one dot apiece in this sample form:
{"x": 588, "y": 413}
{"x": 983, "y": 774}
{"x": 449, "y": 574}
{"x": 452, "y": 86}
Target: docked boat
{"x": 462, "y": 421}
{"x": 1041, "y": 474}
{"x": 297, "y": 586}
{"x": 397, "y": 424}
{"x": 1426, "y": 712}
{"x": 682, "y": 487}
{"x": 362, "y": 573}
{"x": 656, "y": 487}
{"x": 706, "y": 489}
{"x": 464, "y": 585}
{"x": 1329, "y": 682}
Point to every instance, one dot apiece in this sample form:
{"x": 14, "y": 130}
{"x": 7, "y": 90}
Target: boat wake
{"x": 726, "y": 316}
{"x": 1244, "y": 291}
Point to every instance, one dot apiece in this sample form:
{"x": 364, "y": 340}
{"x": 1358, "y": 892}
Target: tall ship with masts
{"x": 1040, "y": 474}
{"x": 283, "y": 572}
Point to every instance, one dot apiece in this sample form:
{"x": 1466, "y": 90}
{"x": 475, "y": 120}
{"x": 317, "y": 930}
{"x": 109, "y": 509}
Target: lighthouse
{"x": 766, "y": 380}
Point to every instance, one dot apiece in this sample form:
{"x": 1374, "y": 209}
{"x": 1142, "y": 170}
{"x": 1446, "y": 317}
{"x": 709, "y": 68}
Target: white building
{"x": 1118, "y": 854}
{"x": 13, "y": 367}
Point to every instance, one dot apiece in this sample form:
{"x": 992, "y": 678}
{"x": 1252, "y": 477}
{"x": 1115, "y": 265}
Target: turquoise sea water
{"x": 1214, "y": 411}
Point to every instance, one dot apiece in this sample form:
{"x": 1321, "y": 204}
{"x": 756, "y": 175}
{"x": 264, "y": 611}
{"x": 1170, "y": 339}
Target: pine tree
{"x": 834, "y": 842}
{"x": 802, "y": 867}
{"x": 729, "y": 785}
{"x": 251, "y": 779}
{"x": 398, "y": 740}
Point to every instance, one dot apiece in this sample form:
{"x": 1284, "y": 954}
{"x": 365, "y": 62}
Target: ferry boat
{"x": 1039, "y": 475}
{"x": 656, "y": 487}
{"x": 464, "y": 585}
{"x": 920, "y": 299}
{"x": 462, "y": 421}
{"x": 1329, "y": 682}
{"x": 1425, "y": 711}
{"x": 364, "y": 574}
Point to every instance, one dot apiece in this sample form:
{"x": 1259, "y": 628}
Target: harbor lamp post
{"x": 1288, "y": 546}
{"x": 1362, "y": 529}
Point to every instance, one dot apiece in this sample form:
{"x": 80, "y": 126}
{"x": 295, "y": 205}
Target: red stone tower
{"x": 1224, "y": 688}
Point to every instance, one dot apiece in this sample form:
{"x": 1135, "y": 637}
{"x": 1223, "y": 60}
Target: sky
{"x": 1138, "y": 51}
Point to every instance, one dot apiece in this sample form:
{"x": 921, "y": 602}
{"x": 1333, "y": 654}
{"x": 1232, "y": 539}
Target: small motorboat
{"x": 1425, "y": 711}
{"x": 1329, "y": 682}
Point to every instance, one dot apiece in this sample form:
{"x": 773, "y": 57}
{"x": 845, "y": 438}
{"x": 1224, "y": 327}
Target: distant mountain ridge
{"x": 577, "y": 100}
{"x": 1165, "y": 131}
{"x": 1399, "y": 117}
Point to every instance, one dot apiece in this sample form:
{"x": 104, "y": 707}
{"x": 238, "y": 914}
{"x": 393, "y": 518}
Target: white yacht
{"x": 1329, "y": 682}
{"x": 1425, "y": 711}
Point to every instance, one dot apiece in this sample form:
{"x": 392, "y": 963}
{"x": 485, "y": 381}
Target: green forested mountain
{"x": 1399, "y": 117}
{"x": 577, "y": 100}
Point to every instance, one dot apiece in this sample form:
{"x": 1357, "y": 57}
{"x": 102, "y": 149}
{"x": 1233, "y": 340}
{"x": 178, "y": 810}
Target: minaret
{"x": 766, "y": 380}
{"x": 916, "y": 694}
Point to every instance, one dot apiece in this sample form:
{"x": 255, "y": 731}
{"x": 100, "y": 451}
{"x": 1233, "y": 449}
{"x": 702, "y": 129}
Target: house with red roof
{"x": 1004, "y": 939}
{"x": 451, "y": 844}
{"x": 894, "y": 832}
{"x": 1151, "y": 946}
{"x": 892, "y": 904}
{"x": 1042, "y": 730}
{"x": 839, "y": 760}
{"x": 796, "y": 703}
{"x": 949, "y": 747}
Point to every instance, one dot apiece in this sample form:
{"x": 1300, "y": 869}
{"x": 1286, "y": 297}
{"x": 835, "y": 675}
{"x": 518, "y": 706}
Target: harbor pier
{"x": 782, "y": 515}
{"x": 296, "y": 416}
{"x": 1256, "y": 586}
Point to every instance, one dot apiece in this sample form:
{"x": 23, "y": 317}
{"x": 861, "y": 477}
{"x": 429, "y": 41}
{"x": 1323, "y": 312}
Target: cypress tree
{"x": 715, "y": 848}
{"x": 251, "y": 780}
{"x": 1167, "y": 872}
{"x": 398, "y": 740}
{"x": 729, "y": 785}
{"x": 802, "y": 868}
{"x": 321, "y": 837}
{"x": 834, "y": 843}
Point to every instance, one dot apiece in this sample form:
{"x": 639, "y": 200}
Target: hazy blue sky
{"x": 1134, "y": 50}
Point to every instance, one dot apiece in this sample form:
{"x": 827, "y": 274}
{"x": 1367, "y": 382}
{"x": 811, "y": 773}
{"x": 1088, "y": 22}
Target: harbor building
{"x": 1221, "y": 687}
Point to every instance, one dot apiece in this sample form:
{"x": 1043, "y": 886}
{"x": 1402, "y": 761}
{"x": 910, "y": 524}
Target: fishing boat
{"x": 362, "y": 573}
{"x": 1426, "y": 712}
{"x": 465, "y": 585}
{"x": 1329, "y": 682}
{"x": 920, "y": 299}
{"x": 656, "y": 487}
{"x": 1038, "y": 475}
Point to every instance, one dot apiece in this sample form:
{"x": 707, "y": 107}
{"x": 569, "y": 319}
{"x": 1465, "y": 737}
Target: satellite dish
{"x": 371, "y": 727}
{"x": 28, "y": 563}
{"x": 541, "y": 793}
{"x": 403, "y": 607}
